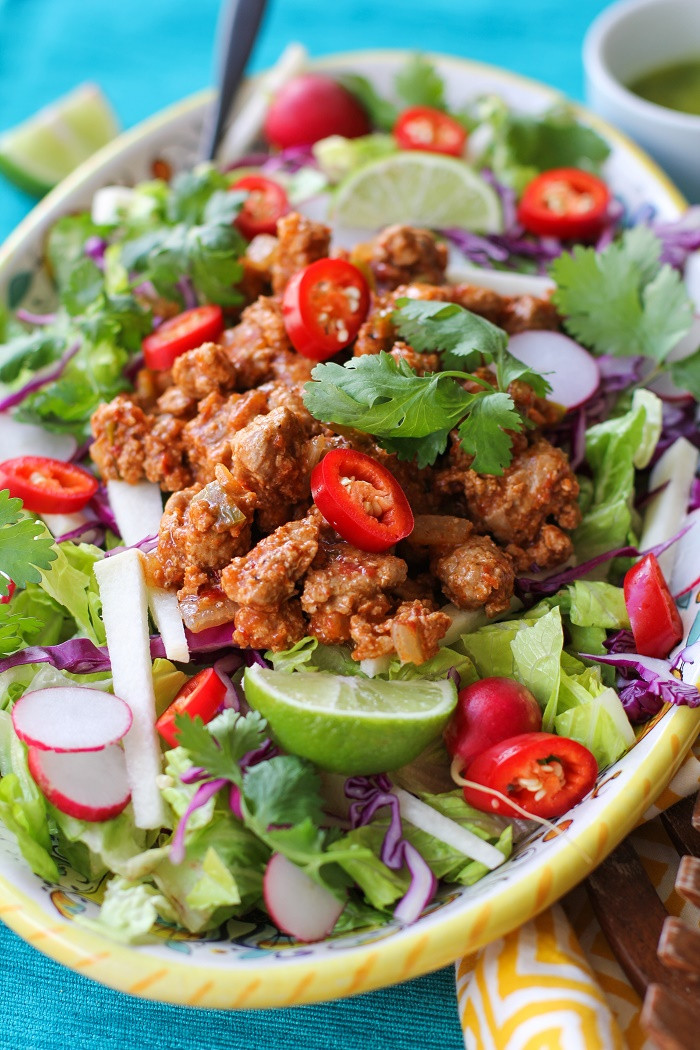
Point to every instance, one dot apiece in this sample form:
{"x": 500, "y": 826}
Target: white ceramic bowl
{"x": 248, "y": 963}
{"x": 629, "y": 39}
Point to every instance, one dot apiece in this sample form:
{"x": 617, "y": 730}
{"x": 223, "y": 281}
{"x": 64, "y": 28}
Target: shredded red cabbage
{"x": 290, "y": 160}
{"x": 679, "y": 237}
{"x": 135, "y": 364}
{"x": 200, "y": 798}
{"x": 554, "y": 583}
{"x": 95, "y": 248}
{"x": 370, "y": 794}
{"x": 39, "y": 379}
{"x": 89, "y": 532}
{"x": 186, "y": 289}
{"x": 147, "y": 544}
{"x": 250, "y": 160}
{"x": 694, "y": 498}
{"x": 679, "y": 419}
{"x": 102, "y": 509}
{"x": 621, "y": 641}
{"x": 652, "y": 686}
{"x": 77, "y": 655}
{"x": 38, "y": 320}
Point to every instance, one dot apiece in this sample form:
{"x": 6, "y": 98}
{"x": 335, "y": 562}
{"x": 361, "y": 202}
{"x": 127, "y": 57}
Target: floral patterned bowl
{"x": 248, "y": 963}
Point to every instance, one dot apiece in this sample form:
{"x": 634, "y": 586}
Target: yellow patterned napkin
{"x": 554, "y": 984}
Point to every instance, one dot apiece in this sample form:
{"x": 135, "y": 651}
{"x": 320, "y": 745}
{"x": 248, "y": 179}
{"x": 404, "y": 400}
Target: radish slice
{"x": 70, "y": 718}
{"x": 165, "y": 610}
{"x": 501, "y": 282}
{"x": 297, "y": 904}
{"x": 90, "y": 785}
{"x": 25, "y": 439}
{"x": 664, "y": 387}
{"x": 125, "y": 615}
{"x": 572, "y": 372}
{"x": 675, "y": 470}
{"x": 137, "y": 509}
{"x": 426, "y": 818}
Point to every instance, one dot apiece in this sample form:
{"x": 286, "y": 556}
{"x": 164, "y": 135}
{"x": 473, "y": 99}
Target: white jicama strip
{"x": 108, "y": 202}
{"x": 427, "y": 819}
{"x": 374, "y": 665}
{"x": 125, "y": 614}
{"x": 611, "y": 703}
{"x": 60, "y": 524}
{"x": 676, "y": 470}
{"x": 686, "y": 570}
{"x": 25, "y": 439}
{"x": 501, "y": 282}
{"x": 248, "y": 121}
{"x": 137, "y": 508}
{"x": 165, "y": 610}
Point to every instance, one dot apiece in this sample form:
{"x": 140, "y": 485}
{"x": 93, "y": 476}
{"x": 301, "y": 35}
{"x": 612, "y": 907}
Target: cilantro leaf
{"x": 386, "y": 398}
{"x": 622, "y": 300}
{"x": 219, "y": 747}
{"x": 25, "y": 545}
{"x": 686, "y": 374}
{"x": 419, "y": 84}
{"x": 382, "y": 113}
{"x": 283, "y": 790}
{"x": 483, "y": 432}
{"x": 466, "y": 339}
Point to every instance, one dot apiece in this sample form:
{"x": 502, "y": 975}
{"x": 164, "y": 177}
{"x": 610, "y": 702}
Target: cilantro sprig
{"x": 25, "y": 545}
{"x": 413, "y": 415}
{"x": 622, "y": 300}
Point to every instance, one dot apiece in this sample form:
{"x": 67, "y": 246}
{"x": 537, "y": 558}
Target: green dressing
{"x": 676, "y": 86}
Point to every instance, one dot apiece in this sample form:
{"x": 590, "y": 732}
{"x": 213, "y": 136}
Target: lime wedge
{"x": 37, "y": 154}
{"x": 427, "y": 189}
{"x": 350, "y": 725}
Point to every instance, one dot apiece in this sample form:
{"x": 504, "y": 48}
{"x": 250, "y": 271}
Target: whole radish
{"x": 487, "y": 712}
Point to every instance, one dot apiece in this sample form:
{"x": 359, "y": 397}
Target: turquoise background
{"x": 146, "y": 54}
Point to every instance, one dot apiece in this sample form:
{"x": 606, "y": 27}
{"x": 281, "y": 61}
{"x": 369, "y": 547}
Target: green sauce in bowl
{"x": 675, "y": 86}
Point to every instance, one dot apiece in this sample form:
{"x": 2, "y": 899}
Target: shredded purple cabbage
{"x": 554, "y": 583}
{"x": 210, "y": 639}
{"x": 289, "y": 160}
{"x": 678, "y": 420}
{"x": 77, "y": 655}
{"x": 694, "y": 497}
{"x": 621, "y": 641}
{"x": 39, "y": 379}
{"x": 102, "y": 509}
{"x": 89, "y": 532}
{"x": 200, "y": 798}
{"x": 186, "y": 289}
{"x": 648, "y": 684}
{"x": 38, "y": 320}
{"x": 250, "y": 160}
{"x": 679, "y": 237}
{"x": 223, "y": 666}
{"x": 370, "y": 794}
{"x": 95, "y": 248}
{"x": 135, "y": 365}
{"x": 146, "y": 545}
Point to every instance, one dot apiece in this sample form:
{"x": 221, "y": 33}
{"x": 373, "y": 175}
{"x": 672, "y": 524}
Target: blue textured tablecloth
{"x": 146, "y": 54}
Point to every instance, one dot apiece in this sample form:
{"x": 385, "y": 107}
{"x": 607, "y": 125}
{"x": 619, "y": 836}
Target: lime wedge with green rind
{"x": 37, "y": 154}
{"x": 423, "y": 189}
{"x": 350, "y": 725}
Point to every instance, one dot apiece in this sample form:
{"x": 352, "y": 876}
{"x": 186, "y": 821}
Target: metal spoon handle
{"x": 239, "y": 24}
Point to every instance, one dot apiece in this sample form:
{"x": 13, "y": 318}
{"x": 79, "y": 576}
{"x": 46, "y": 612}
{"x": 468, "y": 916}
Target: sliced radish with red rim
{"x": 89, "y": 785}
{"x": 70, "y": 718}
{"x": 298, "y": 905}
{"x": 571, "y": 371}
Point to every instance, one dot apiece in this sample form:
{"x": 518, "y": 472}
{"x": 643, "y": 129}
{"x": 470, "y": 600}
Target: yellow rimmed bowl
{"x": 250, "y": 964}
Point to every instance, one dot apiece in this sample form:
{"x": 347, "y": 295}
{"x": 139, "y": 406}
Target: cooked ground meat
{"x": 538, "y": 485}
{"x": 227, "y": 431}
{"x": 402, "y": 254}
{"x": 299, "y": 242}
{"x": 268, "y": 574}
{"x": 477, "y": 574}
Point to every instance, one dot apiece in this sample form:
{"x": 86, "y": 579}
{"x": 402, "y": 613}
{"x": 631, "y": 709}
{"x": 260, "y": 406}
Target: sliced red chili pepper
{"x": 422, "y": 127}
{"x": 324, "y": 306}
{"x": 543, "y": 773}
{"x": 4, "y": 599}
{"x": 565, "y": 202}
{"x": 266, "y": 203}
{"x": 361, "y": 499}
{"x": 47, "y": 486}
{"x": 187, "y": 331}
{"x": 201, "y": 697}
{"x": 655, "y": 621}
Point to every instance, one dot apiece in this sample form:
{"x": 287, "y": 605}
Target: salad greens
{"x": 232, "y": 800}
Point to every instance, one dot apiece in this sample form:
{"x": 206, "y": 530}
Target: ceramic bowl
{"x": 249, "y": 963}
{"x": 632, "y": 38}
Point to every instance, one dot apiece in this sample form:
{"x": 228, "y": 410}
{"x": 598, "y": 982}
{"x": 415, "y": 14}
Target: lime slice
{"x": 350, "y": 725}
{"x": 37, "y": 154}
{"x": 427, "y": 189}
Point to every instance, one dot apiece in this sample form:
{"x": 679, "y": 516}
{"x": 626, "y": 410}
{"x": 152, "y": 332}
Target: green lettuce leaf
{"x": 600, "y": 724}
{"x": 71, "y": 582}
{"x": 23, "y": 809}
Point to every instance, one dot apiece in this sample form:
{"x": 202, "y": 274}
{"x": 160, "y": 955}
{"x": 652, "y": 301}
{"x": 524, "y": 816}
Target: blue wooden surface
{"x": 146, "y": 54}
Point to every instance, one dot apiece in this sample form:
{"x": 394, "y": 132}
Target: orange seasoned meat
{"x": 253, "y": 344}
{"x": 300, "y": 241}
{"x": 120, "y": 428}
{"x": 551, "y": 546}
{"x": 402, "y": 254}
{"x": 203, "y": 371}
{"x": 477, "y": 574}
{"x": 268, "y": 574}
{"x": 539, "y": 485}
{"x": 345, "y": 582}
{"x": 263, "y": 629}
{"x": 267, "y": 456}
{"x": 207, "y": 437}
{"x": 202, "y": 529}
{"x": 420, "y": 363}
{"x": 413, "y": 632}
